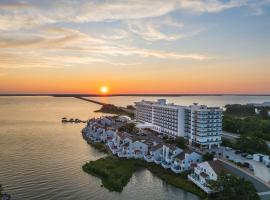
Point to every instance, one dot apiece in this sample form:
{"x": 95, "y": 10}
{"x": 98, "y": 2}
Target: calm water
{"x": 41, "y": 159}
{"x": 187, "y": 100}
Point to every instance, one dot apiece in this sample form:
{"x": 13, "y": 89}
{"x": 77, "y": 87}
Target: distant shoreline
{"x": 145, "y": 95}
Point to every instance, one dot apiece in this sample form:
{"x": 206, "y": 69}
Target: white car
{"x": 228, "y": 148}
{"x": 249, "y": 157}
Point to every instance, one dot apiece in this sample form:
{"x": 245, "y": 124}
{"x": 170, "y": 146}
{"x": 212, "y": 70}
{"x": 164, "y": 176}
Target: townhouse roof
{"x": 156, "y": 147}
{"x": 217, "y": 166}
{"x": 181, "y": 156}
{"x": 193, "y": 165}
{"x": 171, "y": 146}
{"x": 123, "y": 135}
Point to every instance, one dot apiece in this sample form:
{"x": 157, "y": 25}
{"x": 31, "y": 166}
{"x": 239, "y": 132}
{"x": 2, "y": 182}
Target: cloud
{"x": 63, "y": 39}
{"x": 18, "y": 15}
{"x": 166, "y": 29}
{"x": 54, "y": 47}
{"x": 210, "y": 6}
{"x": 49, "y": 38}
{"x": 23, "y": 14}
{"x": 116, "y": 34}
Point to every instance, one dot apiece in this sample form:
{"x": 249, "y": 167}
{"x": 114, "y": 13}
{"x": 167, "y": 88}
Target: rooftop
{"x": 217, "y": 166}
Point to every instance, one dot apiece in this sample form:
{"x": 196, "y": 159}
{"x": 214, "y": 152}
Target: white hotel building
{"x": 202, "y": 125}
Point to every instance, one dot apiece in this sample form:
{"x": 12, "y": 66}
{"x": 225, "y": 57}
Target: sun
{"x": 104, "y": 89}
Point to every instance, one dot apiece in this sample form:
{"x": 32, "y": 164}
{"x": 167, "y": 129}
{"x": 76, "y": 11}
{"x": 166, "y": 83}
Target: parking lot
{"x": 256, "y": 168}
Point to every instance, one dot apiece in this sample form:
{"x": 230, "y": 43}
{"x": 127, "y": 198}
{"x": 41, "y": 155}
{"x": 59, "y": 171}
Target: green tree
{"x": 130, "y": 107}
{"x": 240, "y": 110}
{"x": 208, "y": 156}
{"x": 181, "y": 143}
{"x": 129, "y": 128}
{"x": 264, "y": 112}
{"x": 252, "y": 144}
{"x": 232, "y": 187}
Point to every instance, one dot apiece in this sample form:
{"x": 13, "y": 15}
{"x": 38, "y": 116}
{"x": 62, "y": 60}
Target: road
{"x": 263, "y": 189}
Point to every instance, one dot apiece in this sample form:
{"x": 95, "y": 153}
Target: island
{"x": 112, "y": 109}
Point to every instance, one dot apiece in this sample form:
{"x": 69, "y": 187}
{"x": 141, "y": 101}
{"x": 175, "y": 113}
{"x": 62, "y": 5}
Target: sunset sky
{"x": 135, "y": 46}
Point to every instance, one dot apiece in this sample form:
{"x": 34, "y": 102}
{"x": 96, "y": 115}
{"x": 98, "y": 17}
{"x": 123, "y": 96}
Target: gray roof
{"x": 156, "y": 147}
{"x": 217, "y": 166}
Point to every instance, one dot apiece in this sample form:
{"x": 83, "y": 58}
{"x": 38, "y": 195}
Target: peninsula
{"x": 155, "y": 143}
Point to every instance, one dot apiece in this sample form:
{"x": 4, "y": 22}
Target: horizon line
{"x": 128, "y": 94}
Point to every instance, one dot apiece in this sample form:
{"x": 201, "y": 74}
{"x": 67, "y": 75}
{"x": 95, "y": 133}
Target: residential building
{"x": 154, "y": 153}
{"x": 203, "y": 125}
{"x": 169, "y": 152}
{"x": 200, "y": 124}
{"x": 205, "y": 172}
{"x": 185, "y": 160}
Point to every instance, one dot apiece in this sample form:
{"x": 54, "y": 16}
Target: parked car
{"x": 246, "y": 164}
{"x": 244, "y": 155}
{"x": 238, "y": 152}
{"x": 228, "y": 148}
{"x": 249, "y": 157}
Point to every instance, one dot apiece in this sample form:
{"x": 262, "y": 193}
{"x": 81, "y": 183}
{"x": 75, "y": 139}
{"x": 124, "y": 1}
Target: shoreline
{"x": 107, "y": 169}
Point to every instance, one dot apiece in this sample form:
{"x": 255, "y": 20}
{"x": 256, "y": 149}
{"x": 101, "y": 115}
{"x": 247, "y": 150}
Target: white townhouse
{"x": 154, "y": 153}
{"x": 168, "y": 154}
{"x": 105, "y": 121}
{"x": 127, "y": 146}
{"x": 205, "y": 172}
{"x": 120, "y": 142}
{"x": 139, "y": 148}
{"x": 201, "y": 124}
{"x": 185, "y": 160}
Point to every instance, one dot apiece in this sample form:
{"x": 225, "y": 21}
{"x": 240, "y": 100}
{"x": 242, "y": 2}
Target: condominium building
{"x": 162, "y": 117}
{"x": 202, "y": 125}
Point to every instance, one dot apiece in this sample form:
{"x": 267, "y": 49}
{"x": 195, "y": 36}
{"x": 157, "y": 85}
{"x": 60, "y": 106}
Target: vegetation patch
{"x": 129, "y": 128}
{"x": 253, "y": 129}
{"x": 112, "y": 109}
{"x": 99, "y": 146}
{"x": 179, "y": 142}
{"x": 115, "y": 173}
{"x": 233, "y": 187}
